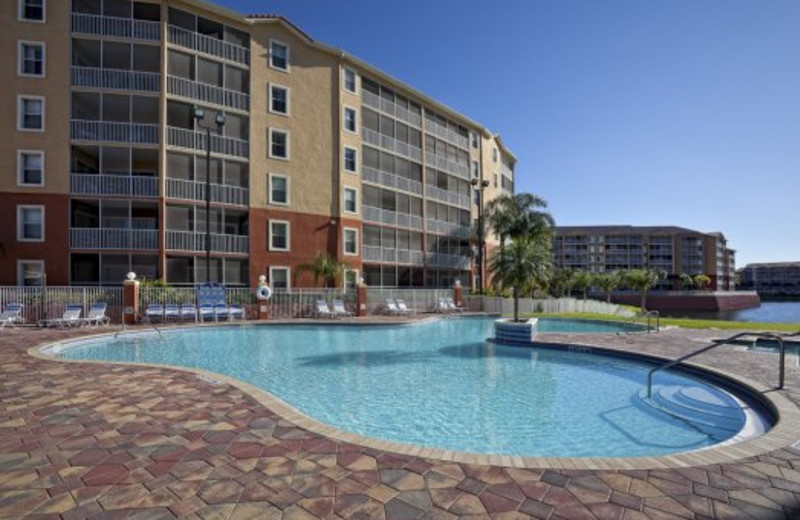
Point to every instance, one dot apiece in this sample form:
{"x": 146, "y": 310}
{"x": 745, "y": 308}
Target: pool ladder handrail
{"x": 149, "y": 325}
{"x": 648, "y": 315}
{"x": 716, "y": 343}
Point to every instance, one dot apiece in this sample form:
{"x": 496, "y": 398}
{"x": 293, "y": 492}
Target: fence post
{"x": 458, "y": 297}
{"x": 361, "y": 298}
{"x": 130, "y": 300}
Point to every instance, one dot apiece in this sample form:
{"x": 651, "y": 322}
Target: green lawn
{"x": 684, "y": 322}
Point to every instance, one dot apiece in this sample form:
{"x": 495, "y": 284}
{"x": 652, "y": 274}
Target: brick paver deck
{"x": 112, "y": 441}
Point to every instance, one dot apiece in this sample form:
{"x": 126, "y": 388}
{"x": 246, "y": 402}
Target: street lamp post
{"x": 219, "y": 121}
{"x": 480, "y": 185}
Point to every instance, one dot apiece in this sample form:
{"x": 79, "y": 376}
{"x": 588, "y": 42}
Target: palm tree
{"x": 701, "y": 281}
{"x": 582, "y": 280}
{"x": 686, "y": 280}
{"x": 643, "y": 280}
{"x": 520, "y": 266}
{"x": 324, "y": 266}
{"x": 510, "y": 216}
{"x": 608, "y": 282}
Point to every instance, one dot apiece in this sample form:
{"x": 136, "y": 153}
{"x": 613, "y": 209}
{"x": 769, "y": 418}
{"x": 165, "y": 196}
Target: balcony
{"x": 446, "y": 134}
{"x": 196, "y": 191}
{"x": 94, "y": 77}
{"x": 450, "y": 197}
{"x": 446, "y": 260}
{"x": 391, "y": 218}
{"x": 394, "y": 256}
{"x": 110, "y": 131}
{"x": 122, "y": 185}
{"x": 208, "y": 45}
{"x": 196, "y": 242}
{"x": 390, "y": 180}
{"x": 446, "y": 165}
{"x": 390, "y": 108}
{"x": 116, "y": 27}
{"x": 194, "y": 140}
{"x": 189, "y": 89}
{"x": 447, "y": 228}
{"x": 391, "y": 144}
{"x": 507, "y": 172}
{"x": 113, "y": 238}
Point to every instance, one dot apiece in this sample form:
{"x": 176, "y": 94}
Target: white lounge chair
{"x": 172, "y": 312}
{"x": 221, "y": 312}
{"x": 236, "y": 312}
{"x": 452, "y": 305}
{"x": 11, "y": 315}
{"x": 97, "y": 315}
{"x": 154, "y": 311}
{"x": 340, "y": 310}
{"x": 188, "y": 312}
{"x": 323, "y": 311}
{"x": 71, "y": 317}
{"x": 391, "y": 307}
{"x": 402, "y": 307}
{"x": 206, "y": 312}
{"x": 441, "y": 306}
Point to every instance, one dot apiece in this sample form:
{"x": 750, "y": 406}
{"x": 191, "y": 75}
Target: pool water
{"x": 440, "y": 384}
{"x": 587, "y": 326}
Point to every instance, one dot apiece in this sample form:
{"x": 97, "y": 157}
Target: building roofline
{"x": 633, "y": 229}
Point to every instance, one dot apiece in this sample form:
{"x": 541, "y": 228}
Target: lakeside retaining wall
{"x": 710, "y": 302}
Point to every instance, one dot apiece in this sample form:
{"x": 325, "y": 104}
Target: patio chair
{"x": 402, "y": 307}
{"x": 340, "y": 310}
{"x": 172, "y": 312}
{"x": 97, "y": 315}
{"x": 236, "y": 312}
{"x": 323, "y": 311}
{"x": 11, "y": 315}
{"x": 452, "y": 305}
{"x": 206, "y": 312}
{"x": 441, "y": 306}
{"x": 221, "y": 312}
{"x": 70, "y": 317}
{"x": 391, "y": 307}
{"x": 154, "y": 311}
{"x": 188, "y": 312}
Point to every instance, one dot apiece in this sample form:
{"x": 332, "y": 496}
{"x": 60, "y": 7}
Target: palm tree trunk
{"x": 644, "y": 300}
{"x": 608, "y": 296}
{"x": 516, "y": 305}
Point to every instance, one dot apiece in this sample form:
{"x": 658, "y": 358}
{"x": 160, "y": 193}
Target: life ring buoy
{"x": 264, "y": 292}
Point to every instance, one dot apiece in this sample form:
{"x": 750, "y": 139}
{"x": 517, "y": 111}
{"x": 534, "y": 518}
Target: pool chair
{"x": 154, "y": 311}
{"x": 97, "y": 315}
{"x": 323, "y": 311}
{"x": 452, "y": 305}
{"x": 441, "y": 306}
{"x": 236, "y": 312}
{"x": 402, "y": 307}
{"x": 188, "y": 312}
{"x": 172, "y": 312}
{"x": 11, "y": 315}
{"x": 70, "y": 318}
{"x": 206, "y": 312}
{"x": 221, "y": 312}
{"x": 339, "y": 309}
{"x": 391, "y": 307}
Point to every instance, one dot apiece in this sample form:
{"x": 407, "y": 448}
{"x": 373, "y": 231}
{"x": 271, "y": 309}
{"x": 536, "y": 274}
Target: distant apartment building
{"x": 108, "y": 103}
{"x": 675, "y": 250}
{"x": 772, "y": 279}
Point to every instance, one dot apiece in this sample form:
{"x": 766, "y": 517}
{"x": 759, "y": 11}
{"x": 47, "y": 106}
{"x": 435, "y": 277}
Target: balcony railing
{"x": 208, "y": 45}
{"x": 395, "y": 256}
{"x": 447, "y": 228}
{"x": 207, "y": 93}
{"x": 391, "y": 218}
{"x": 194, "y": 140}
{"x": 391, "y": 144}
{"x": 447, "y": 165}
{"x": 450, "y": 197}
{"x": 446, "y": 260}
{"x": 113, "y": 238}
{"x": 196, "y": 242}
{"x": 507, "y": 172}
{"x": 194, "y": 190}
{"x": 392, "y": 109}
{"x": 446, "y": 134}
{"x": 123, "y": 185}
{"x": 390, "y": 180}
{"x": 117, "y": 27}
{"x": 96, "y": 77}
{"x": 84, "y": 130}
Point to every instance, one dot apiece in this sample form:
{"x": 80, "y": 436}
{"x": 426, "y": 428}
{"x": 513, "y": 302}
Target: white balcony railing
{"x": 113, "y": 238}
{"x": 447, "y": 228}
{"x": 207, "y": 93}
{"x": 395, "y": 256}
{"x": 446, "y": 260}
{"x": 446, "y": 134}
{"x": 117, "y": 27}
{"x": 110, "y": 131}
{"x": 390, "y": 180}
{"x": 391, "y": 108}
{"x": 447, "y": 165}
{"x": 391, "y": 218}
{"x": 96, "y": 77}
{"x": 194, "y": 190}
{"x": 507, "y": 171}
{"x": 123, "y": 185}
{"x": 450, "y": 197}
{"x": 391, "y": 144}
{"x": 208, "y": 45}
{"x": 194, "y": 140}
{"x": 196, "y": 242}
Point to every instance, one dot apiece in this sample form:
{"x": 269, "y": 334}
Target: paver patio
{"x": 111, "y": 441}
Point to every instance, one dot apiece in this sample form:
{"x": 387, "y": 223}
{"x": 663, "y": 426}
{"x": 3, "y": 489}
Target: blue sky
{"x": 679, "y": 112}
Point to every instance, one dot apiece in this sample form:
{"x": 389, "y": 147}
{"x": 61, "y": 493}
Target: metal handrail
{"x": 648, "y": 315}
{"x": 716, "y": 343}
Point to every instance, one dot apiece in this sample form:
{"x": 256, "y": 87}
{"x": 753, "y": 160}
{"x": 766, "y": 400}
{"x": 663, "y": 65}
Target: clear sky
{"x": 643, "y": 112}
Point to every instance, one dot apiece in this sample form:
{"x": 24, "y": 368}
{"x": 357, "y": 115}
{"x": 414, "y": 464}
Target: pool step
{"x": 715, "y": 414}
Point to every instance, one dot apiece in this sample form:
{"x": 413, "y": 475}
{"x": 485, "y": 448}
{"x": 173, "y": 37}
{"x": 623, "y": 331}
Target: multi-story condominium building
{"x": 674, "y": 250}
{"x": 113, "y": 104}
{"x": 775, "y": 278}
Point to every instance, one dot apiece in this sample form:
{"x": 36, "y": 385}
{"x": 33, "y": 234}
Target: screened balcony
{"x": 117, "y": 18}
{"x": 115, "y": 65}
{"x": 114, "y": 171}
{"x": 118, "y": 118}
{"x": 208, "y": 37}
{"x": 113, "y": 224}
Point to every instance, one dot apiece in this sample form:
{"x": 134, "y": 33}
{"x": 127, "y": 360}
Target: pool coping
{"x": 784, "y": 432}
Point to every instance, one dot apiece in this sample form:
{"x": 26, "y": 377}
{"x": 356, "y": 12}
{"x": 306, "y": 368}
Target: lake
{"x": 768, "y": 312}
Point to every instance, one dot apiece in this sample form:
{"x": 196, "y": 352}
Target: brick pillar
{"x": 130, "y": 302}
{"x": 361, "y": 299}
{"x": 458, "y": 295}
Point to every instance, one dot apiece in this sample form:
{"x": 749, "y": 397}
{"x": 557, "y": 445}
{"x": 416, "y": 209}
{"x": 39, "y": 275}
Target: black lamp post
{"x": 480, "y": 185}
{"x": 219, "y": 121}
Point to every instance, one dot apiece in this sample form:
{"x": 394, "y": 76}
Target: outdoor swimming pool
{"x": 441, "y": 384}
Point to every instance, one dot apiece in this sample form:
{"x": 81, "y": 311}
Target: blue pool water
{"x": 585, "y": 326}
{"x": 440, "y": 384}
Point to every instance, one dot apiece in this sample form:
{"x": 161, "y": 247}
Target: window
{"x": 349, "y": 80}
{"x": 278, "y": 189}
{"x": 350, "y": 241}
{"x": 350, "y": 200}
{"x": 278, "y": 55}
{"x": 278, "y": 99}
{"x": 495, "y": 180}
{"x": 278, "y": 144}
{"x": 350, "y": 160}
{"x": 278, "y": 235}
{"x": 31, "y": 113}
{"x": 350, "y": 117}
{"x": 476, "y": 170}
{"x": 30, "y": 272}
{"x": 30, "y": 223}
{"x": 279, "y": 277}
{"x": 30, "y": 168}
{"x": 31, "y": 10}
{"x": 473, "y": 137}
{"x": 494, "y": 154}
{"x": 31, "y": 59}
